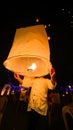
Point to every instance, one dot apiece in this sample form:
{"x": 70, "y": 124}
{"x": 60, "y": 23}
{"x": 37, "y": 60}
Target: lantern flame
{"x": 32, "y": 67}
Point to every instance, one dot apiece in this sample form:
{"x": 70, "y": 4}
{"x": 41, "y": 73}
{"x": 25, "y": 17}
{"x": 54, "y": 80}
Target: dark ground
{"x": 15, "y": 114}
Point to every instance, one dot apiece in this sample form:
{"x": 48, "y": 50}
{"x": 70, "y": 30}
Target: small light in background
{"x": 66, "y": 92}
{"x": 37, "y": 20}
{"x": 48, "y": 38}
{"x": 49, "y": 25}
{"x": 69, "y": 86}
{"x": 45, "y": 26}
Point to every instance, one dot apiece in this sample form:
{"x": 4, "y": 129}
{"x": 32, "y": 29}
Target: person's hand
{"x": 52, "y": 75}
{"x": 52, "y": 72}
{"x": 17, "y": 77}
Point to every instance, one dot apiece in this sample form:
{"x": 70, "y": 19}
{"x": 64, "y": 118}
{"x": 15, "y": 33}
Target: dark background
{"x": 60, "y": 30}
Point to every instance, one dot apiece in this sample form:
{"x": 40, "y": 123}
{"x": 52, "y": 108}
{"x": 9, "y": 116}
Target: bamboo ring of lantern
{"x": 30, "y": 52}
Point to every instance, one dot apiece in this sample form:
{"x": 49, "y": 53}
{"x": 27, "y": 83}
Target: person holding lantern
{"x": 38, "y": 104}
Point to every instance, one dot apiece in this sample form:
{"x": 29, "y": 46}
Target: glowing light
{"x": 66, "y": 92}
{"x": 12, "y": 92}
{"x": 45, "y": 26}
{"x": 48, "y": 38}
{"x": 69, "y": 86}
{"x": 49, "y": 25}
{"x": 63, "y": 95}
{"x": 63, "y": 9}
{"x": 37, "y": 20}
{"x": 32, "y": 67}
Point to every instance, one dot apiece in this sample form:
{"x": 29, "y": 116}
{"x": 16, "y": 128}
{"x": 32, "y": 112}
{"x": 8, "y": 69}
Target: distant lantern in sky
{"x": 30, "y": 52}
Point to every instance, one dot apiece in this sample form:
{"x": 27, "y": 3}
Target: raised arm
{"x": 53, "y": 76}
{"x": 17, "y": 77}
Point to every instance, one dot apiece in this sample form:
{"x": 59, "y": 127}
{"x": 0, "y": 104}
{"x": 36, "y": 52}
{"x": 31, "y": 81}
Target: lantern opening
{"x": 28, "y": 65}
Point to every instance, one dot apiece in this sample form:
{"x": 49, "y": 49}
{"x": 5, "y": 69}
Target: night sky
{"x": 59, "y": 26}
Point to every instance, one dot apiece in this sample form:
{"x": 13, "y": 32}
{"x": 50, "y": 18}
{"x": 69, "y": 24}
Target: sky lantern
{"x": 30, "y": 52}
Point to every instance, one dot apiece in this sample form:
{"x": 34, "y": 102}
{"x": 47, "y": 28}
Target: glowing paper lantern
{"x": 30, "y": 52}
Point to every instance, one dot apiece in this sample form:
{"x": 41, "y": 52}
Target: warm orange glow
{"x": 30, "y": 52}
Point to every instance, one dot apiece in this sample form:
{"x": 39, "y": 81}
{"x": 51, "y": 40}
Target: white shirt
{"x": 38, "y": 95}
